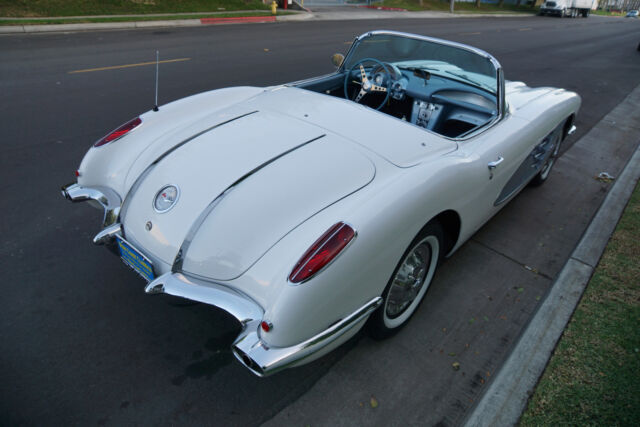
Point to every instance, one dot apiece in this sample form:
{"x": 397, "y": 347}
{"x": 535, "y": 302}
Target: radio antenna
{"x": 155, "y": 106}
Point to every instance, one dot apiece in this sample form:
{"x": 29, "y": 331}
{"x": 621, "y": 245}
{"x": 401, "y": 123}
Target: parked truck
{"x": 568, "y": 8}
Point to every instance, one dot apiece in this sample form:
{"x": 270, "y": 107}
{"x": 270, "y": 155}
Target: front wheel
{"x": 542, "y": 176}
{"x": 409, "y": 282}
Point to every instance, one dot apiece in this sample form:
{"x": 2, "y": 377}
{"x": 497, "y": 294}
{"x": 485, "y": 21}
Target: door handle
{"x": 493, "y": 165}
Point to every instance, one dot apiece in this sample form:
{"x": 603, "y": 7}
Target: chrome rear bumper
{"x": 263, "y": 360}
{"x": 105, "y": 197}
{"x": 248, "y": 347}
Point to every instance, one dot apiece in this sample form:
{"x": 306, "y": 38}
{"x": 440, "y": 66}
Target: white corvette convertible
{"x": 309, "y": 209}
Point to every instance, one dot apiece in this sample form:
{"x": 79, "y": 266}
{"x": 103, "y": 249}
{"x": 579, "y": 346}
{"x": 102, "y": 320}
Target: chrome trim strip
{"x": 177, "y": 263}
{"x": 105, "y": 196}
{"x": 140, "y": 178}
{"x": 572, "y": 130}
{"x": 263, "y": 360}
{"x": 237, "y": 304}
{"x": 418, "y": 37}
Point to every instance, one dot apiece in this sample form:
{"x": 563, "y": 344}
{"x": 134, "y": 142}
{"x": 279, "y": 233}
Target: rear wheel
{"x": 409, "y": 282}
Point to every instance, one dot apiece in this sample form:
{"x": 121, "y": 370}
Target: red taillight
{"x": 121, "y": 131}
{"x": 325, "y": 249}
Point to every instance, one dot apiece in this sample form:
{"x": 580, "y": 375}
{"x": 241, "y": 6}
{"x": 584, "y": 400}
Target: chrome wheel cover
{"x": 411, "y": 281}
{"x": 555, "y": 149}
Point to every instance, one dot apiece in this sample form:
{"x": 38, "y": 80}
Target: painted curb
{"x": 507, "y": 396}
{"x": 47, "y": 28}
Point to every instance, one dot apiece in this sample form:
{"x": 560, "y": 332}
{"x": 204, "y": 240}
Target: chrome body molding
{"x": 105, "y": 197}
{"x": 182, "y": 252}
{"x": 263, "y": 360}
{"x": 237, "y": 304}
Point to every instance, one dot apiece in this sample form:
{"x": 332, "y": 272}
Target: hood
{"x": 275, "y": 172}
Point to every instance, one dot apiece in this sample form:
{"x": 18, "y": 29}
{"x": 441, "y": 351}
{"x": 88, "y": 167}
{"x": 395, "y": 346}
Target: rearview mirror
{"x": 337, "y": 59}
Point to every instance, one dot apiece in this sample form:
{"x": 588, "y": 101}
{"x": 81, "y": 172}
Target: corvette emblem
{"x": 166, "y": 198}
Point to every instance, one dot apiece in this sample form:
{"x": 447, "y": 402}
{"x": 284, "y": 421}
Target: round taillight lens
{"x": 119, "y": 132}
{"x": 266, "y": 326}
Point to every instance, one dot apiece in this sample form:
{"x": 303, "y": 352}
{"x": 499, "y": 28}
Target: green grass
{"x": 50, "y": 8}
{"x": 443, "y": 6}
{"x": 593, "y": 377}
{"x": 45, "y": 21}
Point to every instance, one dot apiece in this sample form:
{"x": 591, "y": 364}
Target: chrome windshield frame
{"x": 500, "y": 95}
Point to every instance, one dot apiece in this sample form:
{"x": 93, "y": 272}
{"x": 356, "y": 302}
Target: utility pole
{"x": 451, "y": 6}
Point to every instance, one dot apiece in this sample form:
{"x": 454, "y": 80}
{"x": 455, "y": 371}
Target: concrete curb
{"x": 507, "y": 396}
{"x": 47, "y": 28}
{"x": 321, "y": 16}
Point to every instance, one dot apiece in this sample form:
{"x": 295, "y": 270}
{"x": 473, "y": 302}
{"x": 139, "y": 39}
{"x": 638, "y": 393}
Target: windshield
{"x": 452, "y": 62}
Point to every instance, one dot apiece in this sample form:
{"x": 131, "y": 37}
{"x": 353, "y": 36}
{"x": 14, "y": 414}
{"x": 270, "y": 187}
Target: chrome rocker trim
{"x": 263, "y": 360}
{"x": 108, "y": 199}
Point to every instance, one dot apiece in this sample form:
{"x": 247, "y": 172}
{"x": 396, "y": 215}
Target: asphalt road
{"x": 81, "y": 342}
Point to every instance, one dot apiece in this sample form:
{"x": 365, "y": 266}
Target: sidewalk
{"x": 320, "y": 13}
{"x": 508, "y": 394}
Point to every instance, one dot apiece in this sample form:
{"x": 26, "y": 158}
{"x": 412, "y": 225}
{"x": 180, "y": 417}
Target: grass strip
{"x": 593, "y": 377}
{"x": 44, "y": 21}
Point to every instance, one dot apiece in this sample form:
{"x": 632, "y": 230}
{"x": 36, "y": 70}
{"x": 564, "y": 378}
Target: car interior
{"x": 446, "y": 107}
{"x": 438, "y": 95}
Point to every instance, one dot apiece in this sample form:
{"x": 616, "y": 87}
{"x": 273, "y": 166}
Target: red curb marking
{"x": 237, "y": 19}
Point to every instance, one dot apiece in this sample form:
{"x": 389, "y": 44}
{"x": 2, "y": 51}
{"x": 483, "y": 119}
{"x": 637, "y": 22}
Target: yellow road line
{"x": 116, "y": 67}
{"x": 469, "y": 34}
{"x": 525, "y": 29}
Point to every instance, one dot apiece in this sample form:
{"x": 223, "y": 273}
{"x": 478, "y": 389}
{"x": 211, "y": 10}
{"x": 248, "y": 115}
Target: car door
{"x": 494, "y": 160}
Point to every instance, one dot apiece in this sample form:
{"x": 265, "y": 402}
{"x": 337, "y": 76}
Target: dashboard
{"x": 446, "y": 106}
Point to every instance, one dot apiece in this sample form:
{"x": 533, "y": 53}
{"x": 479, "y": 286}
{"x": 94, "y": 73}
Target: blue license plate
{"x": 134, "y": 259}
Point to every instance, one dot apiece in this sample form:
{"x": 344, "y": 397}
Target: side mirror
{"x": 337, "y": 59}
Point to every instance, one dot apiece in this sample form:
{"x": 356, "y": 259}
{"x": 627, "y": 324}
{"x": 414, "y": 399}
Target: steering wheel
{"x": 366, "y": 84}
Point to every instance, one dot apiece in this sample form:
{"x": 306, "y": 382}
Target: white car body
{"x": 263, "y": 172}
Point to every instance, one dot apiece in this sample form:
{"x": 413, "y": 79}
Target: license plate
{"x": 134, "y": 259}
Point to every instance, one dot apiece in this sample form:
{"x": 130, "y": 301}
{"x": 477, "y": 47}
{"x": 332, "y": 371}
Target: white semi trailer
{"x": 568, "y": 8}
